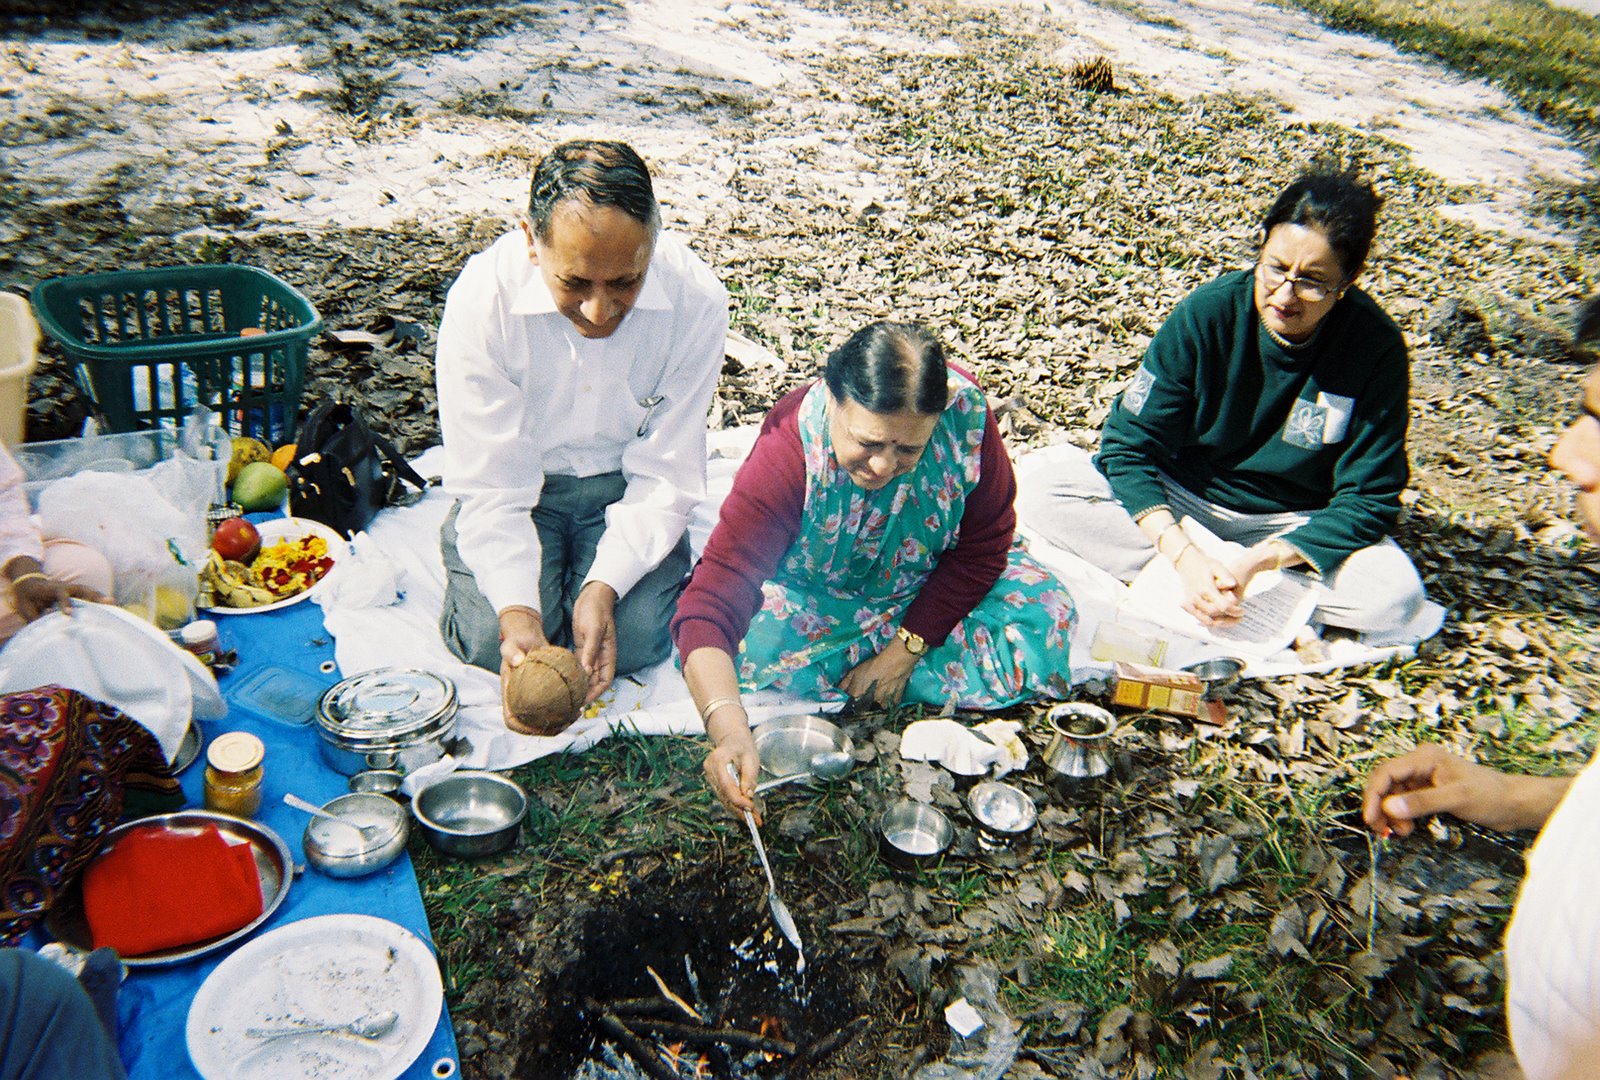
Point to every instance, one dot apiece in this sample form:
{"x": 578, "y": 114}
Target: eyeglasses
{"x": 1311, "y": 292}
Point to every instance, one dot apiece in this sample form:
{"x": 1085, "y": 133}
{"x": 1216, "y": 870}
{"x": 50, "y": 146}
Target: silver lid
{"x": 378, "y": 707}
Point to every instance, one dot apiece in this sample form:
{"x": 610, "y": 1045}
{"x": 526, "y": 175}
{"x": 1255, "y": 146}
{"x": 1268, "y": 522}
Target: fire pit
{"x": 687, "y": 978}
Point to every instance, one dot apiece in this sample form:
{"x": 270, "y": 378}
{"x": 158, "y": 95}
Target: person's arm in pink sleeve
{"x": 755, "y": 527}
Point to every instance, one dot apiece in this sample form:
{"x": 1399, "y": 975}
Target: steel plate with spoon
{"x": 312, "y": 999}
{"x": 828, "y": 766}
{"x": 788, "y": 745}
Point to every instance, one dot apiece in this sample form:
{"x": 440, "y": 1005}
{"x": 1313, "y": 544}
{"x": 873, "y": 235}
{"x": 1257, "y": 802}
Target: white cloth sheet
{"x": 401, "y": 551}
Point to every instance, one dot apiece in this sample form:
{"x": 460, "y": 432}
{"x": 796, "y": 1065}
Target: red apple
{"x": 237, "y": 540}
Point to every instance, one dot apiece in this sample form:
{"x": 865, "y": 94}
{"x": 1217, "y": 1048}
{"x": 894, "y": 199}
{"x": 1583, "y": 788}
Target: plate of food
{"x": 295, "y": 559}
{"x": 340, "y": 997}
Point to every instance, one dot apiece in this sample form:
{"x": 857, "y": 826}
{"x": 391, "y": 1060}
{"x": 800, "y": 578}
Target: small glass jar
{"x": 233, "y": 774}
{"x": 200, "y": 637}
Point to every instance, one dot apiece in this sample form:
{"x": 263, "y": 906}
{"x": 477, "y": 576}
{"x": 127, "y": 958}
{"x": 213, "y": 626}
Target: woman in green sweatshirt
{"x": 1271, "y": 406}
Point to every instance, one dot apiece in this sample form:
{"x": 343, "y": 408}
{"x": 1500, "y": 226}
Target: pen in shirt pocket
{"x": 649, "y": 406}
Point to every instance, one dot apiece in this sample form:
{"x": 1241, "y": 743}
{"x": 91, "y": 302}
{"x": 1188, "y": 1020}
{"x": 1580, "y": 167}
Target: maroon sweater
{"x": 761, "y": 518}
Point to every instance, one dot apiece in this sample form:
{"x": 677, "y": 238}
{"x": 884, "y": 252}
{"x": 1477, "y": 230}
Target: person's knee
{"x": 77, "y": 564}
{"x": 467, "y": 641}
{"x": 643, "y": 617}
{"x": 1377, "y": 590}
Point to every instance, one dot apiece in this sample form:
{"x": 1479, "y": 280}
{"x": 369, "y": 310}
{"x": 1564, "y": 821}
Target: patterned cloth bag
{"x": 68, "y": 767}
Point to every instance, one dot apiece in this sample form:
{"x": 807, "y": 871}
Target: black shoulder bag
{"x": 343, "y": 472}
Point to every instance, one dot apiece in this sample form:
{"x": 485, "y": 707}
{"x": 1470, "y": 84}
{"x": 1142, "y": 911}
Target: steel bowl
{"x": 912, "y": 835}
{"x": 1217, "y": 676}
{"x": 787, "y": 744}
{"x": 470, "y": 814}
{"x": 341, "y": 852}
{"x": 1004, "y": 813}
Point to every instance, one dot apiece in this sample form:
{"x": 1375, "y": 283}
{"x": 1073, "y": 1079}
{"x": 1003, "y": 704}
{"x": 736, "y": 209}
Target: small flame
{"x": 685, "y": 1061}
{"x": 771, "y": 1028}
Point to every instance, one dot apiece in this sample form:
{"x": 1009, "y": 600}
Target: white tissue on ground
{"x": 950, "y": 744}
{"x": 1007, "y": 735}
{"x": 366, "y": 578}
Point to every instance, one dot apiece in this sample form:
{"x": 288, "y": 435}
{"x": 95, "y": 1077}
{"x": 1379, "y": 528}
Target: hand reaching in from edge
{"x": 1430, "y": 780}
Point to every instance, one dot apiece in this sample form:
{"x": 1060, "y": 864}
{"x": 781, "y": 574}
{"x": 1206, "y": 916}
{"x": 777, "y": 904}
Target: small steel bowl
{"x": 1004, "y": 813}
{"x": 1217, "y": 675}
{"x": 470, "y": 814}
{"x": 378, "y": 782}
{"x": 912, "y": 835}
{"x": 341, "y": 852}
{"x": 787, "y": 744}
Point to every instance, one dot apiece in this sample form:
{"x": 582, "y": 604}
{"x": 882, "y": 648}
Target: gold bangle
{"x": 713, "y": 705}
{"x": 28, "y": 577}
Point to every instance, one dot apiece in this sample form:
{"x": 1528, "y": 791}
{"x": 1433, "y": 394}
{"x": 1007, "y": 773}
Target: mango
{"x": 260, "y": 485}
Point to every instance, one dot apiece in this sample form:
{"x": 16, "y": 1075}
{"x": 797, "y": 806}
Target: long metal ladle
{"x": 780, "y": 912}
{"x": 829, "y": 765}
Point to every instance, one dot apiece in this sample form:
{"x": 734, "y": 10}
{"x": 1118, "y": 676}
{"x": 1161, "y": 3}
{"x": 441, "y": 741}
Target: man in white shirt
{"x": 576, "y": 363}
{"x": 1553, "y": 942}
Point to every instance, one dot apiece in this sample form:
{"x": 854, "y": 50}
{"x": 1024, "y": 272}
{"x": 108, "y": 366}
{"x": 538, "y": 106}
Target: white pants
{"x": 1374, "y": 591}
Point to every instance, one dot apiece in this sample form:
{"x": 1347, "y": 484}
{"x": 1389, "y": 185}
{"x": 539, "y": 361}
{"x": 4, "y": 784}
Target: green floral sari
{"x": 862, "y": 556}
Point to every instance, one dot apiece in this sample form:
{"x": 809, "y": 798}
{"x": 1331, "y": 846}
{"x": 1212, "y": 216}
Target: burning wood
{"x": 667, "y": 993}
{"x": 714, "y": 1036}
{"x": 664, "y": 1049}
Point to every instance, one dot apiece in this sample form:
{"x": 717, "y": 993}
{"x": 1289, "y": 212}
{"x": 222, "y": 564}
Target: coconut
{"x": 545, "y": 693}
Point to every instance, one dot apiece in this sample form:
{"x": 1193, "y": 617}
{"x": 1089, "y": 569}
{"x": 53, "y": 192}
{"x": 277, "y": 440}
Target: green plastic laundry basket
{"x": 149, "y": 345}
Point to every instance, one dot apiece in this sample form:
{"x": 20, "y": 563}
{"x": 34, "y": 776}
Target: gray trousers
{"x": 570, "y": 518}
{"x": 1375, "y": 590}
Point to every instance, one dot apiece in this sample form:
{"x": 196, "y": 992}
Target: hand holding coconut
{"x": 594, "y": 634}
{"x": 544, "y": 692}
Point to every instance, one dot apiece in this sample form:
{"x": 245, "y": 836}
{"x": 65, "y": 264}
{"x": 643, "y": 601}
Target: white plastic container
{"x": 19, "y": 353}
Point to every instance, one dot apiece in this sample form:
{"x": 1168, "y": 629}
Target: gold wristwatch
{"x": 913, "y": 642}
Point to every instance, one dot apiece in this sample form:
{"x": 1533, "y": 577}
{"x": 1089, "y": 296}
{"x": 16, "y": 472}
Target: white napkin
{"x": 428, "y": 775}
{"x": 950, "y": 744}
{"x": 366, "y": 578}
{"x": 119, "y": 659}
{"x": 1007, "y": 736}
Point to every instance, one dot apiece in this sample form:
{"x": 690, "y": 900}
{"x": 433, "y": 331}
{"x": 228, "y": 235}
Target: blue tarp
{"x": 154, "y": 1004}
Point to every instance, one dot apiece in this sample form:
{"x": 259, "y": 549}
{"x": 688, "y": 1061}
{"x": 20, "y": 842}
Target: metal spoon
{"x": 368, "y": 833}
{"x": 362, "y": 1027}
{"x": 829, "y": 765}
{"x": 780, "y": 913}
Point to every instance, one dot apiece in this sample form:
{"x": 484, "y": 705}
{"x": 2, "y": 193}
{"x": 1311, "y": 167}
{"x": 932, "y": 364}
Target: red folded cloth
{"x": 159, "y": 889}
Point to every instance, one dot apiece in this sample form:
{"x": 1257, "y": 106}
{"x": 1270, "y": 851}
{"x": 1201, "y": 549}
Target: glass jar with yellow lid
{"x": 233, "y": 774}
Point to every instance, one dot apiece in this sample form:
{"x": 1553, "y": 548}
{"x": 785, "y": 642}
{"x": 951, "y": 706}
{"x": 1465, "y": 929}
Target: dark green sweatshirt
{"x": 1235, "y": 418}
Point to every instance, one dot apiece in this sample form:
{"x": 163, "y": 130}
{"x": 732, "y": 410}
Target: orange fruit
{"x": 283, "y": 455}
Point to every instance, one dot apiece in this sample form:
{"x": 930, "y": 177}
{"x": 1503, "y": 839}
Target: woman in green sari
{"x": 867, "y": 550}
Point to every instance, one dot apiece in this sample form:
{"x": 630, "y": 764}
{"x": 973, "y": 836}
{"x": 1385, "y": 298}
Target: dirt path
{"x": 310, "y": 130}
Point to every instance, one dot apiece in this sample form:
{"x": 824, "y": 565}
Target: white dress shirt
{"x": 1553, "y": 943}
{"x": 522, "y": 395}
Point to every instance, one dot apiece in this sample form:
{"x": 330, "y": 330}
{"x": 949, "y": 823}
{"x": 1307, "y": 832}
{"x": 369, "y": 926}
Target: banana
{"x": 234, "y": 585}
